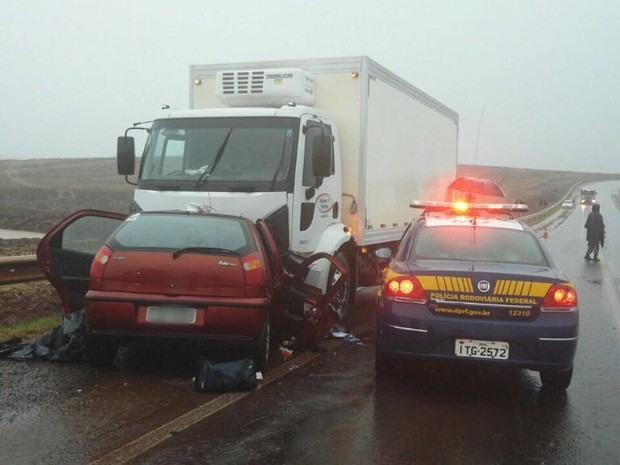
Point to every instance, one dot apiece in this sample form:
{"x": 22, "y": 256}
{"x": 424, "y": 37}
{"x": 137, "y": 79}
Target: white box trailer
{"x": 329, "y": 152}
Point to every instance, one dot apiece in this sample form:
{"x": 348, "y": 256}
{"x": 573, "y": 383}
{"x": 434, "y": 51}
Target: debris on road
{"x": 350, "y": 339}
{"x": 236, "y": 375}
{"x": 64, "y": 343}
{"x": 286, "y": 353}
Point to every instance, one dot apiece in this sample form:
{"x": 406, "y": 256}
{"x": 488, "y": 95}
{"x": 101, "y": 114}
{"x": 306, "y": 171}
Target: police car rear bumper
{"x": 548, "y": 343}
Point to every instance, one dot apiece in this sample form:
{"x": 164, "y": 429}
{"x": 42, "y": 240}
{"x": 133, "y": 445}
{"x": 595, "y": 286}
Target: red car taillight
{"x": 559, "y": 297}
{"x": 405, "y": 287}
{"x": 100, "y": 261}
{"x": 253, "y": 269}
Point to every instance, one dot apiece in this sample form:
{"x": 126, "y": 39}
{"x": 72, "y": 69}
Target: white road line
{"x": 612, "y": 294}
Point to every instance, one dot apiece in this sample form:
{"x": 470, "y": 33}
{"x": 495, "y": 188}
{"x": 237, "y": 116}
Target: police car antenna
{"x": 478, "y": 139}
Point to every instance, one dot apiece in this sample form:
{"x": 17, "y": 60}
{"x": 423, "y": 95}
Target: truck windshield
{"x": 236, "y": 150}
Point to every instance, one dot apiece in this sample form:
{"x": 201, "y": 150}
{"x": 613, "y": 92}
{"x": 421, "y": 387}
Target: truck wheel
{"x": 100, "y": 350}
{"x": 341, "y": 299}
{"x": 556, "y": 380}
{"x": 262, "y": 348}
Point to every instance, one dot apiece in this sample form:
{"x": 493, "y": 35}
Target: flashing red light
{"x": 560, "y": 296}
{"x": 461, "y": 207}
{"x": 405, "y": 287}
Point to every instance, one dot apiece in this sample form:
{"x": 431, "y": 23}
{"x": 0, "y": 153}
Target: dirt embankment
{"x": 26, "y": 301}
{"x": 536, "y": 188}
{"x": 36, "y": 194}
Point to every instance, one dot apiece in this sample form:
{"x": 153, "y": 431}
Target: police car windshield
{"x": 477, "y": 244}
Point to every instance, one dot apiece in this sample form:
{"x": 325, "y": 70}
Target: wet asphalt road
{"x": 332, "y": 410}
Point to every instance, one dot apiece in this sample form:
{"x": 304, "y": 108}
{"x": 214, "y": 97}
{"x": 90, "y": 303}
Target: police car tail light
{"x": 559, "y": 297}
{"x": 405, "y": 287}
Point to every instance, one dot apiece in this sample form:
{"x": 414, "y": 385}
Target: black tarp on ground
{"x": 65, "y": 343}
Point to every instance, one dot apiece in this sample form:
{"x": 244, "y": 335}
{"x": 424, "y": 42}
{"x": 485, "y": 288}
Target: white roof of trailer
{"x": 285, "y": 111}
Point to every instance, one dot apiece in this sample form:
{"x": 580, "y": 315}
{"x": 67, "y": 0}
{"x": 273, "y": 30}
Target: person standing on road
{"x": 595, "y": 235}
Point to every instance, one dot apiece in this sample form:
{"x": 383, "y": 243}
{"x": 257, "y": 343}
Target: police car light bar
{"x": 465, "y": 207}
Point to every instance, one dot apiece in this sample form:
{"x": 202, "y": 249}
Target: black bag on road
{"x": 237, "y": 375}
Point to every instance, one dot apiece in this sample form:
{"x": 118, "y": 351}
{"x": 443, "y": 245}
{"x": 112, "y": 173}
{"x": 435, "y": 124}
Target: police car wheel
{"x": 384, "y": 365}
{"x": 556, "y": 380}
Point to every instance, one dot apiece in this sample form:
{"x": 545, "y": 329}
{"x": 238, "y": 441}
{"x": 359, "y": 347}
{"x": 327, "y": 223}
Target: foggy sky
{"x": 535, "y": 82}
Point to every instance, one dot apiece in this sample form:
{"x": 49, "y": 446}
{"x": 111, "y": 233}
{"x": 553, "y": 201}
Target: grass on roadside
{"x": 29, "y": 329}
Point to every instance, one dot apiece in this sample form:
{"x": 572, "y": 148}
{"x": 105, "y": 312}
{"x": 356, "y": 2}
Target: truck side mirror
{"x": 322, "y": 156}
{"x": 126, "y": 156}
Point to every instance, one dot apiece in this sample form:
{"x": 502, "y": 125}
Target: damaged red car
{"x": 181, "y": 276}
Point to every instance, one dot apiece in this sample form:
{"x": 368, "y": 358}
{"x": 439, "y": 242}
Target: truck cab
{"x": 277, "y": 164}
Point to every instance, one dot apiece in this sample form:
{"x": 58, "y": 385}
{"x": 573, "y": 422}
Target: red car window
{"x": 176, "y": 231}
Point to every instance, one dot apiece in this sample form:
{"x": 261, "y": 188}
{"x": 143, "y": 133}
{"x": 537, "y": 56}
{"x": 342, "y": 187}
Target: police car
{"x": 471, "y": 283}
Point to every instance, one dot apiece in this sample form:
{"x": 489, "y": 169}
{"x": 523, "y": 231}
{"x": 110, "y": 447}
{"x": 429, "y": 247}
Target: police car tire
{"x": 556, "y": 380}
{"x": 384, "y": 365}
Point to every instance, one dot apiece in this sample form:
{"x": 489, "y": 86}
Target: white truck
{"x": 328, "y": 151}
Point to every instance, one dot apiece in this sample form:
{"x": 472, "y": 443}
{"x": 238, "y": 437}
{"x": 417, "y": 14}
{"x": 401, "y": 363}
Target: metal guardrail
{"x": 19, "y": 269}
{"x": 540, "y": 216}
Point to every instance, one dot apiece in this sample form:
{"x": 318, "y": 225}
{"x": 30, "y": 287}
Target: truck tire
{"x": 342, "y": 298}
{"x": 100, "y": 350}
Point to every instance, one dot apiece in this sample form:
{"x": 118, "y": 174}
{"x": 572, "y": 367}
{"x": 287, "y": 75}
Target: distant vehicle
{"x": 328, "y": 151}
{"x": 568, "y": 204}
{"x": 470, "y": 283}
{"x": 588, "y": 196}
{"x": 180, "y": 276}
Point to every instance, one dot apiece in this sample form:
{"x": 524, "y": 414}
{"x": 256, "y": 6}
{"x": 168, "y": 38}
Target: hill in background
{"x": 536, "y": 188}
{"x": 37, "y": 193}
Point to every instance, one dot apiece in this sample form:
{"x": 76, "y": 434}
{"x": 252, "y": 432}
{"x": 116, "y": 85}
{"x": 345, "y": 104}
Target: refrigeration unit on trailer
{"x": 328, "y": 151}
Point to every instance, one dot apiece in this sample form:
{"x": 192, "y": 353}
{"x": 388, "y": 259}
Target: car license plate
{"x": 481, "y": 349}
{"x": 171, "y": 315}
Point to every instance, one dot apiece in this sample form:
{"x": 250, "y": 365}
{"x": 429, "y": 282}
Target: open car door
{"x": 310, "y": 307}
{"x": 66, "y": 252}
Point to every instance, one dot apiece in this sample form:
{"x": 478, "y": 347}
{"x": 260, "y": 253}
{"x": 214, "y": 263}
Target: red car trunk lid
{"x": 190, "y": 274}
